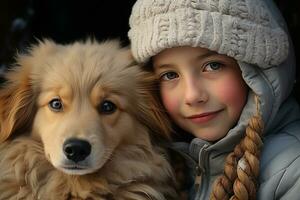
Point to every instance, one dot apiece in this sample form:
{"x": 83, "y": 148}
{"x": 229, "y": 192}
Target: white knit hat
{"x": 242, "y": 29}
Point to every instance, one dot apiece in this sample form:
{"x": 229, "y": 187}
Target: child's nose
{"x": 195, "y": 92}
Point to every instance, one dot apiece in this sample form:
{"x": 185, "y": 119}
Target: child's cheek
{"x": 170, "y": 103}
{"x": 232, "y": 92}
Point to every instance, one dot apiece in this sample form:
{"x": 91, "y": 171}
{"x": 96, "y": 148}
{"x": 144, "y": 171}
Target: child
{"x": 226, "y": 71}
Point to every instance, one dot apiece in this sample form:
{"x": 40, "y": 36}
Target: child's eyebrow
{"x": 206, "y": 54}
{"x": 165, "y": 66}
{"x": 197, "y": 58}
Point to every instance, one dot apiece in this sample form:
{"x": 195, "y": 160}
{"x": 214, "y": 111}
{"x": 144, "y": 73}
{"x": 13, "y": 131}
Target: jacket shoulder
{"x": 280, "y": 164}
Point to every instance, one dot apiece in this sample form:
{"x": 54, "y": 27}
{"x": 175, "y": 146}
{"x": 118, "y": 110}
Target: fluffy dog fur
{"x": 87, "y": 91}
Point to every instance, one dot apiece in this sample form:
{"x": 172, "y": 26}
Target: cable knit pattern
{"x": 242, "y": 29}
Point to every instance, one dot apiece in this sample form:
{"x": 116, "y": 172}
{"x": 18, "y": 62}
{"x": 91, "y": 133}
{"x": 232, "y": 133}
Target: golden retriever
{"x": 75, "y": 123}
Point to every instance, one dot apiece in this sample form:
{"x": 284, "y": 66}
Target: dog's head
{"x": 81, "y": 100}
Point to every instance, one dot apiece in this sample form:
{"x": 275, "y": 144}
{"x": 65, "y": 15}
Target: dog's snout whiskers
{"x": 76, "y": 149}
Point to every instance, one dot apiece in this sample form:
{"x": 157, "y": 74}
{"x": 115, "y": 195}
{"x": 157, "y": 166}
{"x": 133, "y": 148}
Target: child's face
{"x": 203, "y": 91}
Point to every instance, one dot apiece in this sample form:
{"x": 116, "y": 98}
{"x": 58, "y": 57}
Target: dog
{"x": 76, "y": 122}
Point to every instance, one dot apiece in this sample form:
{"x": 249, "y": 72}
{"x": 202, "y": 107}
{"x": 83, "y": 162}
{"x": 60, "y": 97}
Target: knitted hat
{"x": 242, "y": 29}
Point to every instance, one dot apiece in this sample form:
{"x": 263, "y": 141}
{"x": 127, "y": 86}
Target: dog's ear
{"x": 16, "y": 103}
{"x": 152, "y": 112}
{"x": 17, "y": 98}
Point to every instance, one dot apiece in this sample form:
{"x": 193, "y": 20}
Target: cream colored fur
{"x": 123, "y": 164}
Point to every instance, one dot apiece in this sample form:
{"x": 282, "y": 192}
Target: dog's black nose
{"x": 76, "y": 149}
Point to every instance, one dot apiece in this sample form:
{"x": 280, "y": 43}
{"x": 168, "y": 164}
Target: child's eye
{"x": 213, "y": 66}
{"x": 168, "y": 76}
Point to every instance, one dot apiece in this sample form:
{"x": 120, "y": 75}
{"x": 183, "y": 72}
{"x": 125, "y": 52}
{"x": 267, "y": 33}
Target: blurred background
{"x": 24, "y": 21}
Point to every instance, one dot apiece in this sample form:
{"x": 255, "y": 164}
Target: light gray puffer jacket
{"x": 280, "y": 158}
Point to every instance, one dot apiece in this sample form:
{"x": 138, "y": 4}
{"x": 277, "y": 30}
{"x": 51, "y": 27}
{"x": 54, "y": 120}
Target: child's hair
{"x": 241, "y": 168}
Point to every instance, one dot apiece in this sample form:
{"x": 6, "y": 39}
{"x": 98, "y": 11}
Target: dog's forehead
{"x": 83, "y": 67}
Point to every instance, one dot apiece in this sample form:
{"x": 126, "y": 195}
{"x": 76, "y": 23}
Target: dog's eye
{"x": 55, "y": 105}
{"x": 107, "y": 107}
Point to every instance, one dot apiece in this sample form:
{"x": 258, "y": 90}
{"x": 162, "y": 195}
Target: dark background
{"x": 24, "y": 21}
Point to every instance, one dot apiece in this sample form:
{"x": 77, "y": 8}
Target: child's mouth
{"x": 204, "y": 117}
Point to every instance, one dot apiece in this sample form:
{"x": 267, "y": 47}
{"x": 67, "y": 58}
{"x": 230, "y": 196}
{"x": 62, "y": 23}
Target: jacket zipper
{"x": 201, "y": 191}
{"x": 198, "y": 178}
